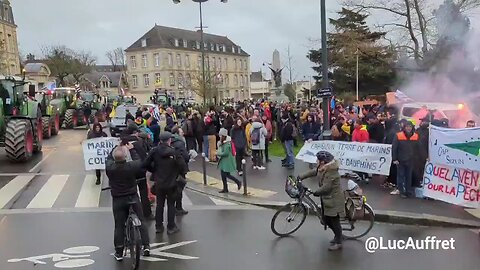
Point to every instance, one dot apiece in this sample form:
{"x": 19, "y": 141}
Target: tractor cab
{"x": 161, "y": 97}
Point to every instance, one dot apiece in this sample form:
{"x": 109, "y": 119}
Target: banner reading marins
{"x": 459, "y": 148}
{"x": 452, "y": 185}
{"x": 96, "y": 151}
{"x": 353, "y": 156}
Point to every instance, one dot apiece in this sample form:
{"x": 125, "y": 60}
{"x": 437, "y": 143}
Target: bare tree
{"x": 117, "y": 59}
{"x": 59, "y": 59}
{"x": 82, "y": 63}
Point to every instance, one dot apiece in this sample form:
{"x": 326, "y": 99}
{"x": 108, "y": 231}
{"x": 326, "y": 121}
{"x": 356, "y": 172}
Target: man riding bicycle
{"x": 122, "y": 179}
{"x": 330, "y": 193}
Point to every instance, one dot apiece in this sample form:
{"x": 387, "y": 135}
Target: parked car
{"x": 118, "y": 123}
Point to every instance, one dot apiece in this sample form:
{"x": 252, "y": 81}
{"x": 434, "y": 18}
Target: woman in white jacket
{"x": 258, "y": 133}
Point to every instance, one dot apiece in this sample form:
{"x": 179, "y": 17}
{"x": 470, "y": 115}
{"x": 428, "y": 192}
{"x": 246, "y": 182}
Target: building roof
{"x": 114, "y": 77}
{"x": 166, "y": 37}
{"x": 36, "y": 68}
{"x": 108, "y": 68}
{"x": 6, "y": 12}
{"x": 256, "y": 76}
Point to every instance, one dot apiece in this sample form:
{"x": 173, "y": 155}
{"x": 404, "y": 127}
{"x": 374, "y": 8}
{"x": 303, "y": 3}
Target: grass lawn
{"x": 276, "y": 148}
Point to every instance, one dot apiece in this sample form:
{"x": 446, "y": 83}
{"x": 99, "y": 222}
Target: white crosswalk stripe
{"x": 41, "y": 191}
{"x": 89, "y": 194}
{"x": 8, "y": 192}
{"x": 46, "y": 197}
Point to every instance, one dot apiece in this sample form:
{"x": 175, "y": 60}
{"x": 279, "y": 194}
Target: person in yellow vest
{"x": 404, "y": 148}
{"x": 248, "y": 126}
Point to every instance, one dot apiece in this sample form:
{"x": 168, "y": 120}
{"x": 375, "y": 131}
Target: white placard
{"x": 372, "y": 158}
{"x": 459, "y": 148}
{"x": 96, "y": 151}
{"x": 452, "y": 185}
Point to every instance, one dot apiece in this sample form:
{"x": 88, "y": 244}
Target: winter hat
{"x": 223, "y": 132}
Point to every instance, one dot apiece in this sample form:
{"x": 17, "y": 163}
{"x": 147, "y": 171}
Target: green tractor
{"x": 161, "y": 98}
{"x": 75, "y": 103}
{"x": 21, "y": 131}
{"x": 53, "y": 107}
{"x": 94, "y": 102}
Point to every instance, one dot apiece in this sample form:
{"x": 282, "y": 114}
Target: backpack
{"x": 234, "y": 150}
{"x": 147, "y": 131}
{"x": 294, "y": 131}
{"x": 255, "y": 136}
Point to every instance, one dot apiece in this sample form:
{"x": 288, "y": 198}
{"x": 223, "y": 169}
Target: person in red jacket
{"x": 360, "y": 133}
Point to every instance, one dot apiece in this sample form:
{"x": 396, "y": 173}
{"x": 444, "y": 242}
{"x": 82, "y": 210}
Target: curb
{"x": 384, "y": 216}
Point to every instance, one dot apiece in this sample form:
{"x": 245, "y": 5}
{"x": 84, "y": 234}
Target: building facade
{"x": 9, "y": 57}
{"x": 171, "y": 58}
{"x": 259, "y": 87}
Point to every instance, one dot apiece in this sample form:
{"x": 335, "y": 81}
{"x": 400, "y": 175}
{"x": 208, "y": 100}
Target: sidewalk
{"x": 266, "y": 188}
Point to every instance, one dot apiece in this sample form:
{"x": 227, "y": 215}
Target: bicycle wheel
{"x": 294, "y": 212}
{"x": 134, "y": 244}
{"x": 354, "y": 229}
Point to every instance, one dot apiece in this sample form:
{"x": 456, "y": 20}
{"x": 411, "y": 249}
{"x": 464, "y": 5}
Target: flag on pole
{"x": 156, "y": 113}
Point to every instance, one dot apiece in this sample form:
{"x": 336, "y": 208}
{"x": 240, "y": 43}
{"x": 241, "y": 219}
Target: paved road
{"x": 57, "y": 179}
{"x": 220, "y": 239}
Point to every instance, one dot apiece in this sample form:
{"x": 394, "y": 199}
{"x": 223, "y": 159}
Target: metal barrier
{"x": 204, "y": 167}
{"x": 244, "y": 169}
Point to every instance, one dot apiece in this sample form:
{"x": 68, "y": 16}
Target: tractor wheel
{"x": 70, "y": 120}
{"x": 56, "y": 125}
{"x": 47, "y": 127}
{"x": 38, "y": 134}
{"x": 19, "y": 140}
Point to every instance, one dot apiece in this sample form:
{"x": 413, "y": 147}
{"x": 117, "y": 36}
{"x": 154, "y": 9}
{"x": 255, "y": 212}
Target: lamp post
{"x": 202, "y": 47}
{"x": 356, "y": 75}
{"x": 326, "y": 110}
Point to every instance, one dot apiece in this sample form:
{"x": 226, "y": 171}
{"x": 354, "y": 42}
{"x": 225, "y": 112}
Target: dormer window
{"x": 176, "y": 42}
{"x": 224, "y": 48}
{"x": 205, "y": 45}
{"x": 212, "y": 47}
{"x": 185, "y": 44}
{"x": 239, "y": 49}
{"x": 233, "y": 49}
{"x": 197, "y": 44}
{"x": 218, "y": 47}
{"x": 144, "y": 42}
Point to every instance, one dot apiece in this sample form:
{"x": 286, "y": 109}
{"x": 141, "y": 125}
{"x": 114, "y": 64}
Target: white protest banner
{"x": 353, "y": 156}
{"x": 458, "y": 148}
{"x": 452, "y": 185}
{"x": 96, "y": 151}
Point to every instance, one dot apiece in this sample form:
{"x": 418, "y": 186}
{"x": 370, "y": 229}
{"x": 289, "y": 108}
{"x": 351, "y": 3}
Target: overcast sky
{"x": 258, "y": 26}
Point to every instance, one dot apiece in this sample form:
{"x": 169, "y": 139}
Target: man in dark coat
{"x": 404, "y": 149}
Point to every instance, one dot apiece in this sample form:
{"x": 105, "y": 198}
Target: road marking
{"x": 90, "y": 193}
{"x": 46, "y": 197}
{"x": 221, "y": 202}
{"x": 13, "y": 187}
{"x": 41, "y": 161}
{"x": 186, "y": 200}
{"x": 216, "y": 183}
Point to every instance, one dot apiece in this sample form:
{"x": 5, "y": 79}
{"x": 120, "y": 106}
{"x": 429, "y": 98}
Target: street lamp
{"x": 202, "y": 47}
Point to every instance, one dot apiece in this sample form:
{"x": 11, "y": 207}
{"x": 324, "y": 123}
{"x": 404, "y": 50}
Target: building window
{"x": 133, "y": 60}
{"x": 219, "y": 64}
{"x": 212, "y": 47}
{"x": 199, "y": 62}
{"x": 180, "y": 80}
{"x": 227, "y": 80}
{"x": 146, "y": 80}
{"x": 172, "y": 79}
{"x": 224, "y": 48}
{"x": 205, "y": 45}
{"x": 158, "y": 78}
{"x": 214, "y": 63}
{"x": 144, "y": 60}
{"x": 185, "y": 44}
{"x": 241, "y": 64}
{"x": 225, "y": 64}
{"x": 187, "y": 60}
{"x": 188, "y": 79}
{"x": 239, "y": 49}
{"x": 235, "y": 80}
{"x": 218, "y": 47}
{"x": 179, "y": 60}
{"x": 233, "y": 49}
{"x": 134, "y": 81}
{"x": 207, "y": 62}
{"x": 235, "y": 63}
{"x": 241, "y": 80}
{"x": 197, "y": 44}
{"x": 144, "y": 43}
{"x": 246, "y": 65}
{"x": 176, "y": 42}
{"x": 170, "y": 60}
{"x": 157, "y": 59}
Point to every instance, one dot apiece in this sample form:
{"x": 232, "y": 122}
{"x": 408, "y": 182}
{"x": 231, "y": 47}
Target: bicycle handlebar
{"x": 138, "y": 181}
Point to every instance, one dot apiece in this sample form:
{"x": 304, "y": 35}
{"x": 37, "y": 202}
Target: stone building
{"x": 9, "y": 57}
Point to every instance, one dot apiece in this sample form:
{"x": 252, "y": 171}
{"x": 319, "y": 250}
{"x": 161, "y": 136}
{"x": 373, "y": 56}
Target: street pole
{"x": 325, "y": 84}
{"x": 357, "y": 74}
{"x": 202, "y": 48}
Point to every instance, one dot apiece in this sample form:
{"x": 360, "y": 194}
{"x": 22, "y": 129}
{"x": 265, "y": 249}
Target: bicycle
{"x": 357, "y": 211}
{"x": 132, "y": 239}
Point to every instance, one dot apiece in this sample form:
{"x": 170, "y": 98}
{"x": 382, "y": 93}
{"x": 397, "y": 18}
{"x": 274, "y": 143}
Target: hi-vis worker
{"x": 404, "y": 147}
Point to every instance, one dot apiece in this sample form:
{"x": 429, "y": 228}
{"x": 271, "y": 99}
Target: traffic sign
{"x": 325, "y": 92}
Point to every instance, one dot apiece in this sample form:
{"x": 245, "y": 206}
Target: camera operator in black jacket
{"x": 166, "y": 165}
{"x": 122, "y": 178}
